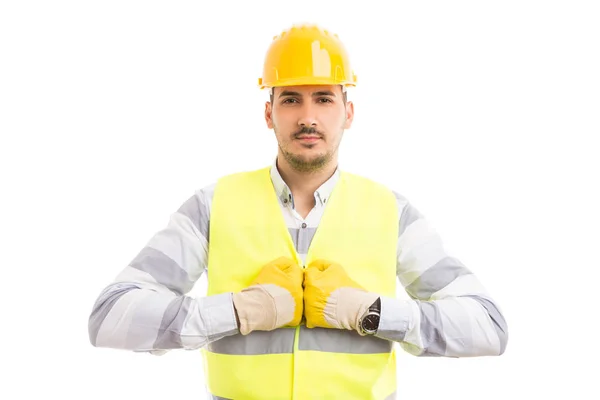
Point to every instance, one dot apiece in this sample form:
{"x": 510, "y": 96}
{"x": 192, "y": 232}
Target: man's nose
{"x": 308, "y": 116}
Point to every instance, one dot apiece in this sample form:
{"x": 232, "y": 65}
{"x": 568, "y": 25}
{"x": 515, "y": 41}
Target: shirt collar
{"x": 285, "y": 194}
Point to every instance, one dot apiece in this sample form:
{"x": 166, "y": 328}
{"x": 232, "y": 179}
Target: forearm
{"x": 126, "y": 316}
{"x": 450, "y": 313}
{"x": 463, "y": 326}
{"x": 146, "y": 307}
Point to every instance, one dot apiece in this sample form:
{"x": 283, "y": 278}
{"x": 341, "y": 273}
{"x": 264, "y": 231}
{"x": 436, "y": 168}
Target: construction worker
{"x": 302, "y": 259}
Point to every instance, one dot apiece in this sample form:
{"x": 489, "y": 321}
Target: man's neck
{"x": 305, "y": 183}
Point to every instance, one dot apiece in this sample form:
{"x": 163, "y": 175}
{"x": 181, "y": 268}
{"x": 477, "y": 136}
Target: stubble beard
{"x": 304, "y": 165}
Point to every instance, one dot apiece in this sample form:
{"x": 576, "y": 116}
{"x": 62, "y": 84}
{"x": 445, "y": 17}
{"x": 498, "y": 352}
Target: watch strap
{"x": 376, "y": 307}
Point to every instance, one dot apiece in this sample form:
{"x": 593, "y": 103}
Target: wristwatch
{"x": 369, "y": 322}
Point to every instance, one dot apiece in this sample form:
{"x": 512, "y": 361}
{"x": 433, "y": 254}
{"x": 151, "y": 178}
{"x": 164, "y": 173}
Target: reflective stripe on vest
{"x": 213, "y": 397}
{"x": 281, "y": 341}
{"x": 359, "y": 229}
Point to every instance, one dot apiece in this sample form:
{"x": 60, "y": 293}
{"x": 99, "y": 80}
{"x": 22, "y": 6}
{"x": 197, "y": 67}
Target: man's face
{"x": 309, "y": 122}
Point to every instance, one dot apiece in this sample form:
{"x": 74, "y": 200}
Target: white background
{"x": 485, "y": 115}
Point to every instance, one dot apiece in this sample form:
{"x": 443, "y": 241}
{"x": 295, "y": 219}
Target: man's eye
{"x": 325, "y": 100}
{"x": 288, "y": 101}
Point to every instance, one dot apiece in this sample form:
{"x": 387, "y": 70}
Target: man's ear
{"x": 349, "y": 115}
{"x": 269, "y": 115}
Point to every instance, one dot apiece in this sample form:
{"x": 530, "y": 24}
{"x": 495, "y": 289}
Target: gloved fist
{"x": 273, "y": 299}
{"x": 332, "y": 299}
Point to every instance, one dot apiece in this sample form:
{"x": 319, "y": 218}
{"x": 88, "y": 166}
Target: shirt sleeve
{"x": 449, "y": 312}
{"x": 146, "y": 307}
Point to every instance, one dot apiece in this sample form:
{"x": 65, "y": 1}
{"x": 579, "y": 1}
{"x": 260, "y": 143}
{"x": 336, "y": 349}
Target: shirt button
{"x": 304, "y": 225}
{"x": 285, "y": 200}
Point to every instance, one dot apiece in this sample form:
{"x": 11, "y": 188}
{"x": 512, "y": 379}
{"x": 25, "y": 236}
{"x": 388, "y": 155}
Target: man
{"x": 302, "y": 262}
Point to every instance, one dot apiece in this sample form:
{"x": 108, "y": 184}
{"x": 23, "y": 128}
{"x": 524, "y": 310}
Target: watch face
{"x": 370, "y": 323}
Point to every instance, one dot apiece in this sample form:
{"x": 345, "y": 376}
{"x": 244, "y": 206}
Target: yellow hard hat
{"x": 306, "y": 55}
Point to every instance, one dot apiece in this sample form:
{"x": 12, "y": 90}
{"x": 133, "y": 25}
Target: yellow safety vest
{"x": 359, "y": 229}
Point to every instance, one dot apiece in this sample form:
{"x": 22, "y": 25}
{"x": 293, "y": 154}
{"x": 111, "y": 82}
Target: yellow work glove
{"x": 273, "y": 299}
{"x": 332, "y": 299}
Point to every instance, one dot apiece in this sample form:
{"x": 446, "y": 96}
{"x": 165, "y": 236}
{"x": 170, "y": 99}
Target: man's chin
{"x": 303, "y": 164}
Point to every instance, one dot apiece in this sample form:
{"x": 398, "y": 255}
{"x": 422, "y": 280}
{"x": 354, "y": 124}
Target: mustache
{"x": 306, "y": 130}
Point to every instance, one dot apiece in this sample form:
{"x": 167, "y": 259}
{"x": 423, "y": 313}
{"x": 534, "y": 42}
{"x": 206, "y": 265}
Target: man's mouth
{"x": 308, "y": 136}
